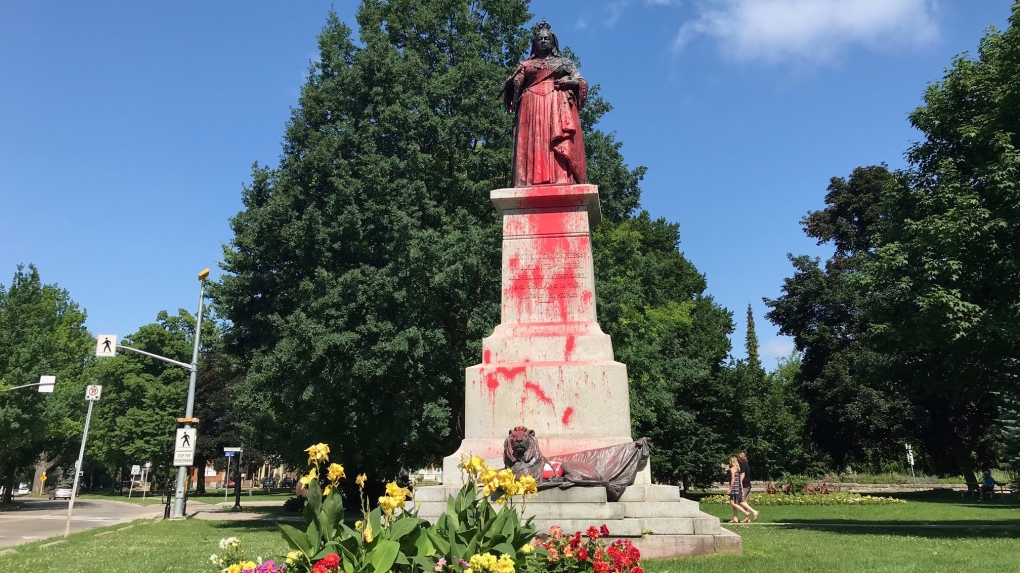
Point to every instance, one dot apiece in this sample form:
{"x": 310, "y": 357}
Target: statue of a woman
{"x": 546, "y": 93}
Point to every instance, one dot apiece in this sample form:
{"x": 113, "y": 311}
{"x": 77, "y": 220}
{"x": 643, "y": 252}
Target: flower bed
{"x": 472, "y": 536}
{"x": 840, "y": 498}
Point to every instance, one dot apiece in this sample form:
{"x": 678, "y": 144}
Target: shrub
{"x": 840, "y": 498}
{"x": 294, "y": 504}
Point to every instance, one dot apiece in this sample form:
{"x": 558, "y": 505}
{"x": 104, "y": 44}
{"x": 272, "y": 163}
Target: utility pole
{"x": 92, "y": 394}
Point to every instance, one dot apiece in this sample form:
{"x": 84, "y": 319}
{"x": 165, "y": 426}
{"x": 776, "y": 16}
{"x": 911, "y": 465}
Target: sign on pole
{"x": 184, "y": 447}
{"x": 227, "y": 449}
{"x": 106, "y": 345}
{"x": 228, "y": 454}
{"x": 136, "y": 470}
{"x": 46, "y": 384}
{"x": 93, "y": 392}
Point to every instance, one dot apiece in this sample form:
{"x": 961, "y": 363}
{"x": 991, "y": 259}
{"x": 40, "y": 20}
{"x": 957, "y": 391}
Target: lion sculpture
{"x": 613, "y": 467}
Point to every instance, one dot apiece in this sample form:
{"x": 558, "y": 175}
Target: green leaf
{"x": 296, "y": 538}
{"x": 383, "y": 555}
{"x": 401, "y": 527}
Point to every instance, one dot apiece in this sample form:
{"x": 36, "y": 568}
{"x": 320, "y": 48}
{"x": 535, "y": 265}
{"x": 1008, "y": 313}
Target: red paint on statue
{"x": 539, "y": 393}
{"x": 567, "y": 414}
{"x": 569, "y": 348}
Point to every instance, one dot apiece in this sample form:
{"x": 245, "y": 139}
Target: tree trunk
{"x": 8, "y": 484}
{"x": 200, "y": 463}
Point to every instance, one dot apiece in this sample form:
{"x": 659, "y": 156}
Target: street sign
{"x": 136, "y": 470}
{"x": 106, "y": 345}
{"x": 93, "y": 392}
{"x": 46, "y": 384}
{"x": 231, "y": 449}
{"x": 184, "y": 447}
{"x": 229, "y": 454}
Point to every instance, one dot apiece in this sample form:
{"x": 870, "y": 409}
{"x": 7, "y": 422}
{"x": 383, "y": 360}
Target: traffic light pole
{"x": 182, "y": 471}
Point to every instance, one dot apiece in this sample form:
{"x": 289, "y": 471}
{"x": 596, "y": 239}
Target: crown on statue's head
{"x": 543, "y": 25}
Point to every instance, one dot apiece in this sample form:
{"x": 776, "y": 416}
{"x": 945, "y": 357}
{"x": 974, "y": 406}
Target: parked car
{"x": 61, "y": 492}
{"x": 269, "y": 483}
{"x": 287, "y": 483}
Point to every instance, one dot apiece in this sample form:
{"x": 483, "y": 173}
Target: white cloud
{"x": 582, "y": 22}
{"x": 615, "y": 10}
{"x": 776, "y": 348}
{"x": 811, "y": 30}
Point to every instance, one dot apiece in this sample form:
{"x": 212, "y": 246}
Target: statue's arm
{"x": 572, "y": 81}
{"x": 512, "y": 89}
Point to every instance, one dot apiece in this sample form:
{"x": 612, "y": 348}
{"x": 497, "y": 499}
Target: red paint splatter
{"x": 492, "y": 382}
{"x": 539, "y": 393}
{"x": 567, "y": 414}
{"x": 569, "y": 348}
{"x": 486, "y": 356}
{"x": 510, "y": 373}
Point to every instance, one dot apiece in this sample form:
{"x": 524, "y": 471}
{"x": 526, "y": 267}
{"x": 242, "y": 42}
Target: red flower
{"x": 604, "y": 530}
{"x": 600, "y": 567}
{"x": 599, "y": 554}
{"x": 575, "y": 541}
{"x": 592, "y": 533}
{"x": 319, "y": 568}
{"x": 582, "y": 554}
{"x": 330, "y": 561}
{"x": 637, "y": 569}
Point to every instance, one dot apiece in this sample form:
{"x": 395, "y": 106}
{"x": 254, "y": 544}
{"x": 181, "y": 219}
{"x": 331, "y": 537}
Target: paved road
{"x": 42, "y": 518}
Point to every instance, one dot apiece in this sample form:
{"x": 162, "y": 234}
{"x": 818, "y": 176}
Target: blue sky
{"x": 127, "y": 129}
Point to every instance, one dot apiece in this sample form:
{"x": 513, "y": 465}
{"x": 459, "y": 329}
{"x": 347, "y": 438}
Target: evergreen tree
{"x": 751, "y": 341}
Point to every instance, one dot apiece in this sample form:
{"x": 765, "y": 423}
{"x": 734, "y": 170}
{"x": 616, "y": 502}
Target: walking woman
{"x": 736, "y": 490}
{"x": 745, "y": 487}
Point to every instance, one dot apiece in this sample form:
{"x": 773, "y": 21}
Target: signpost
{"x": 145, "y": 478}
{"x": 230, "y": 451}
{"x": 92, "y": 394}
{"x": 910, "y": 458}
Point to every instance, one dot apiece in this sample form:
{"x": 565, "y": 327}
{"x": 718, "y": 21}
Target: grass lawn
{"x": 934, "y": 532}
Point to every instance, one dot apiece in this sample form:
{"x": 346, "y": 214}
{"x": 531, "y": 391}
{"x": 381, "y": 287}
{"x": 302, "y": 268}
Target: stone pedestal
{"x": 549, "y": 366}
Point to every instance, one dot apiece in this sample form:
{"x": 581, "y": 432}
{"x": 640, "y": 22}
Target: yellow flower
{"x": 528, "y": 485}
{"x": 293, "y": 556}
{"x": 388, "y": 504}
{"x": 367, "y": 533}
{"x": 235, "y": 568}
{"x": 358, "y": 525}
{"x": 335, "y": 473}
{"x": 312, "y": 474}
{"x": 318, "y": 453}
{"x": 528, "y": 548}
{"x": 504, "y": 565}
{"x": 328, "y": 489}
{"x": 361, "y": 480}
{"x": 397, "y": 492}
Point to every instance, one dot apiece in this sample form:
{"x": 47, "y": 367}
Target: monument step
{"x": 594, "y": 512}
{"x": 652, "y": 492}
{"x": 555, "y": 495}
{"x": 617, "y": 527}
{"x": 682, "y": 508}
{"x": 664, "y": 546}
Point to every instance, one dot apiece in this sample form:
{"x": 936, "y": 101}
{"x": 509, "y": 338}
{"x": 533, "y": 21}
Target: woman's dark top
{"x": 745, "y": 472}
